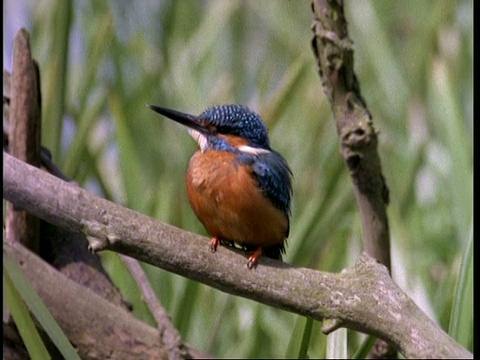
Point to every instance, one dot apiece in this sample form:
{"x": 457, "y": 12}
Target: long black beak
{"x": 182, "y": 118}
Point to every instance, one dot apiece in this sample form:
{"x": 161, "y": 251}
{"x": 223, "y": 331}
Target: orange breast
{"x": 226, "y": 199}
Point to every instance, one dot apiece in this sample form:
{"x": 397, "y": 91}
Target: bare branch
{"x": 333, "y": 51}
{"x": 358, "y": 139}
{"x": 24, "y": 133}
{"x": 363, "y": 298}
{"x": 171, "y": 337}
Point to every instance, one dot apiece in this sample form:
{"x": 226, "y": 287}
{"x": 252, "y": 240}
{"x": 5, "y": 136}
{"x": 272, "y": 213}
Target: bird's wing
{"x": 274, "y": 178}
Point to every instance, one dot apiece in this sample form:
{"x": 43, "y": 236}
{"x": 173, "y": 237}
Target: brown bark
{"x": 333, "y": 51}
{"x": 95, "y": 326}
{"x": 24, "y": 133}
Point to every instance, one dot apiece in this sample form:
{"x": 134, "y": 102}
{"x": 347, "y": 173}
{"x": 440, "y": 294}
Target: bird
{"x": 239, "y": 188}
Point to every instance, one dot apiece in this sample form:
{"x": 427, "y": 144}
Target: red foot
{"x": 253, "y": 259}
{"x": 214, "y": 244}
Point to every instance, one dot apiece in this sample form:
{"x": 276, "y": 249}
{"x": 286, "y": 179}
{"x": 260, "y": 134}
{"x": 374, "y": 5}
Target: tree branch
{"x": 23, "y": 122}
{"x": 77, "y": 308}
{"x": 333, "y": 51}
{"x": 363, "y": 298}
{"x": 171, "y": 337}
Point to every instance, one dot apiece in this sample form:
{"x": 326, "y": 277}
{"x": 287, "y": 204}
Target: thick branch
{"x": 77, "y": 308}
{"x": 358, "y": 139}
{"x": 363, "y": 298}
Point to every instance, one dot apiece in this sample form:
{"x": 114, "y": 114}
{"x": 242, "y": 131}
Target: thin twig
{"x": 170, "y": 336}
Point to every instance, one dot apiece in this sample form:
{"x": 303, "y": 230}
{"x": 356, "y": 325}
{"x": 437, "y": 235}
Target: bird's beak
{"x": 188, "y": 120}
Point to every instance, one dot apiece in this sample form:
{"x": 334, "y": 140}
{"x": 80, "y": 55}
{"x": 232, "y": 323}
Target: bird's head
{"x": 225, "y": 125}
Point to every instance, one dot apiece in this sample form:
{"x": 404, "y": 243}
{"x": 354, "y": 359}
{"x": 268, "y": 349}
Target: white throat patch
{"x": 199, "y": 138}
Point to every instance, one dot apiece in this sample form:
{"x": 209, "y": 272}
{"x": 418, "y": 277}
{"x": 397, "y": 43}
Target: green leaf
{"x": 365, "y": 347}
{"x": 461, "y": 320}
{"x": 34, "y": 344}
{"x": 307, "y": 332}
{"x": 38, "y": 309}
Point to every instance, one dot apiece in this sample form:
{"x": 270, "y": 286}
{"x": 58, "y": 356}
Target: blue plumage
{"x": 239, "y": 121}
{"x": 274, "y": 178}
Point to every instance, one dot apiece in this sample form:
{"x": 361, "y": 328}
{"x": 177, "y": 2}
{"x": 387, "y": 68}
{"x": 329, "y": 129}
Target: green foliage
{"x": 461, "y": 318}
{"x": 414, "y": 61}
{"x": 20, "y": 295}
{"x": 23, "y": 320}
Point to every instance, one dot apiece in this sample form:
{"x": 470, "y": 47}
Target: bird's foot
{"x": 214, "y": 244}
{"x": 253, "y": 258}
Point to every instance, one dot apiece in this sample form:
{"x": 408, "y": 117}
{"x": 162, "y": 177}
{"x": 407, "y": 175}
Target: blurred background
{"x": 102, "y": 62}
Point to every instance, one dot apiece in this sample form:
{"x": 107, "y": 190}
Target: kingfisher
{"x": 238, "y": 187}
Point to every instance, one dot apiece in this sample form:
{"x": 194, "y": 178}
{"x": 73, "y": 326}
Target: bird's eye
{"x": 208, "y": 126}
{"x": 226, "y": 130}
{"x": 212, "y": 129}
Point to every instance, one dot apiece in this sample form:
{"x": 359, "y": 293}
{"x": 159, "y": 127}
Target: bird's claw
{"x": 253, "y": 259}
{"x": 214, "y": 244}
{"x": 252, "y": 263}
